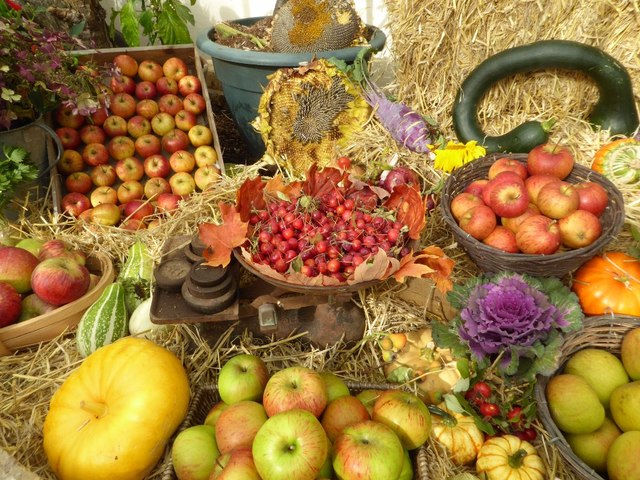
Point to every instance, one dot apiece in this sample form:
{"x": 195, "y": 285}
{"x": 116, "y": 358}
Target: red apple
{"x": 558, "y": 199}
{"x": 60, "y": 280}
{"x": 175, "y": 68}
{"x": 103, "y": 175}
{"x": 205, "y": 176}
{"x": 10, "y": 304}
{"x": 235, "y": 465}
{"x": 16, "y": 266}
{"x": 156, "y": 165}
{"x": 293, "y": 388}
{"x": 194, "y": 103}
{"x": 69, "y": 137}
{"x": 130, "y": 168}
{"x": 92, "y": 134}
{"x": 162, "y": 123}
{"x": 145, "y": 90}
{"x": 189, "y": 84}
{"x": 167, "y": 202}
{"x": 592, "y": 197}
{"x": 342, "y": 412}
{"x": 122, "y": 84}
{"x": 200, "y": 135}
{"x": 79, "y": 182}
{"x": 108, "y": 214}
{"x": 67, "y": 117}
{"x": 115, "y": 126}
{"x": 103, "y": 195}
{"x": 121, "y": 147}
{"x": 170, "y": 103}
{"x": 138, "y": 126}
{"x": 126, "y": 64}
{"x": 166, "y": 85}
{"x": 123, "y": 105}
{"x": 95, "y": 154}
{"x": 579, "y": 229}
{"x": 59, "y": 248}
{"x": 502, "y": 176}
{"x": 185, "y": 120}
{"x": 70, "y": 162}
{"x": 550, "y": 159}
{"x": 513, "y": 223}
{"x": 132, "y": 224}
{"x": 505, "y": 164}
{"x": 155, "y": 186}
{"x": 205, "y": 155}
{"x": 182, "y": 183}
{"x": 476, "y": 187}
{"x": 175, "y": 140}
{"x": 147, "y": 108}
{"x": 214, "y": 413}
{"x": 462, "y": 203}
{"x": 148, "y": 145}
{"x": 75, "y": 203}
{"x": 538, "y": 235}
{"x": 182, "y": 161}
{"x": 33, "y": 306}
{"x": 478, "y": 222}
{"x": 406, "y": 415}
{"x": 149, "y": 70}
{"x": 138, "y": 209}
{"x": 250, "y": 414}
{"x": 534, "y": 183}
{"x": 509, "y": 198}
{"x": 503, "y": 239}
{"x": 130, "y": 190}
{"x": 367, "y": 450}
{"x": 99, "y": 116}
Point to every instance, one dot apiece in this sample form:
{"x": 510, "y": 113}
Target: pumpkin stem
{"x": 515, "y": 460}
{"x": 97, "y": 409}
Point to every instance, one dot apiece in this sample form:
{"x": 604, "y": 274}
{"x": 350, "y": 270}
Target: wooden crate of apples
{"x": 526, "y": 205}
{"x": 154, "y": 144}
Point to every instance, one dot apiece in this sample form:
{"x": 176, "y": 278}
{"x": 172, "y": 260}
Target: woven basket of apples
{"x": 538, "y": 213}
{"x": 45, "y": 287}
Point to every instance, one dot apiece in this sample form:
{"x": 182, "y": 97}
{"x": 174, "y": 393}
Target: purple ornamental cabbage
{"x": 507, "y": 316}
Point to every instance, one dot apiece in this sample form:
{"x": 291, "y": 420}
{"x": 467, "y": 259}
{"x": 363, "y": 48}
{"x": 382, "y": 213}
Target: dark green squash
{"x": 614, "y": 111}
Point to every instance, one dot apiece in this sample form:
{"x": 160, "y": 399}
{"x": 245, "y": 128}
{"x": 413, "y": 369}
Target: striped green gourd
{"x": 104, "y": 322}
{"x": 136, "y": 275}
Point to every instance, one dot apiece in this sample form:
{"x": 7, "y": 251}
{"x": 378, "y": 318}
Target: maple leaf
{"x": 220, "y": 240}
{"x": 375, "y": 268}
{"x": 410, "y": 208}
{"x": 250, "y": 197}
{"x": 276, "y": 188}
{"x": 432, "y": 263}
{"x": 320, "y": 183}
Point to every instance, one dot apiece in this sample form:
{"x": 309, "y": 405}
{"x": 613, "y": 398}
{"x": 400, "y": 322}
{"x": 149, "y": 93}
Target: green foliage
{"x": 15, "y": 169}
{"x": 163, "y": 21}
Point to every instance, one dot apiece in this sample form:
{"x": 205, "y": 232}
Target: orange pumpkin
{"x": 609, "y": 284}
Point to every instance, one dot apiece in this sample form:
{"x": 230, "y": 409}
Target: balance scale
{"x": 240, "y": 297}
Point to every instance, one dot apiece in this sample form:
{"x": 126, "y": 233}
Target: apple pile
{"x": 298, "y": 424}
{"x": 39, "y": 276}
{"x": 144, "y": 152}
{"x": 530, "y": 207}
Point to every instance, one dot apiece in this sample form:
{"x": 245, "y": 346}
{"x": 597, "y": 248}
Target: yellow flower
{"x": 455, "y": 155}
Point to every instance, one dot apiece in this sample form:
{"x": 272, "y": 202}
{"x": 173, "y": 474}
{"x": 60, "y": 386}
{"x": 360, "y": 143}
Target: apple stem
{"x": 97, "y": 409}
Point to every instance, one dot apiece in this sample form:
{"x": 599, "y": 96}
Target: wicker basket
{"x": 205, "y": 397}
{"x": 48, "y": 326}
{"x": 490, "y": 259}
{"x": 604, "y": 332}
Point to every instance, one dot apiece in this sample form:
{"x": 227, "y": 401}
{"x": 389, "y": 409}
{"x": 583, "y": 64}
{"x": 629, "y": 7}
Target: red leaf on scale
{"x": 319, "y": 183}
{"x": 220, "y": 240}
{"x": 431, "y": 263}
{"x": 250, "y": 197}
{"x": 276, "y": 188}
{"x": 410, "y": 208}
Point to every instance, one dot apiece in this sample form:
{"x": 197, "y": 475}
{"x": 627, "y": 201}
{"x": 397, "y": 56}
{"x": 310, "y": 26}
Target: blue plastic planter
{"x": 243, "y": 75}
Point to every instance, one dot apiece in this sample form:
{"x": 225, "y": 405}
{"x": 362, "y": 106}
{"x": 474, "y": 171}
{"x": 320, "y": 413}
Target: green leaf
{"x": 172, "y": 29}
{"x": 129, "y": 24}
{"x": 400, "y": 375}
{"x": 77, "y": 29}
{"x": 469, "y": 410}
{"x": 147, "y": 22}
{"x": 184, "y": 13}
{"x": 445, "y": 338}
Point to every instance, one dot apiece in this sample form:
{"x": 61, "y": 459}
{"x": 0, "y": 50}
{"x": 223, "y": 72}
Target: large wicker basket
{"x": 604, "y": 332}
{"x": 490, "y": 259}
{"x": 206, "y": 396}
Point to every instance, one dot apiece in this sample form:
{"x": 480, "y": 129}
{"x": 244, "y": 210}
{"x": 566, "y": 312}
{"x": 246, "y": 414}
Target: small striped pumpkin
{"x": 104, "y": 322}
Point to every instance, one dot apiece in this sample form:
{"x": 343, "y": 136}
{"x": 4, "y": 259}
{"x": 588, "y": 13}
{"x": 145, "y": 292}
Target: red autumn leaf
{"x": 430, "y": 263}
{"x": 220, "y": 240}
{"x": 276, "y": 188}
{"x": 320, "y": 183}
{"x": 410, "y": 208}
{"x": 250, "y": 197}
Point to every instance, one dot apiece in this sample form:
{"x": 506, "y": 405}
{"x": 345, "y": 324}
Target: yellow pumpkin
{"x": 509, "y": 458}
{"x": 458, "y": 433}
{"x": 112, "y": 417}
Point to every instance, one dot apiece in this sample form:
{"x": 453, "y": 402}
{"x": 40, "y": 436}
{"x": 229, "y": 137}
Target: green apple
{"x": 242, "y": 377}
{"x": 235, "y": 465}
{"x": 214, "y": 413}
{"x": 406, "y": 415}
{"x": 335, "y": 386}
{"x": 368, "y": 398}
{"x": 295, "y": 387}
{"x": 592, "y": 448}
{"x": 407, "y": 468}
{"x": 623, "y": 459}
{"x": 32, "y": 245}
{"x": 194, "y": 453}
{"x": 291, "y": 445}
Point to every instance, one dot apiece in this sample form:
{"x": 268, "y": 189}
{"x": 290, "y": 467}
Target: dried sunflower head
{"x": 307, "y": 113}
{"x": 301, "y": 26}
